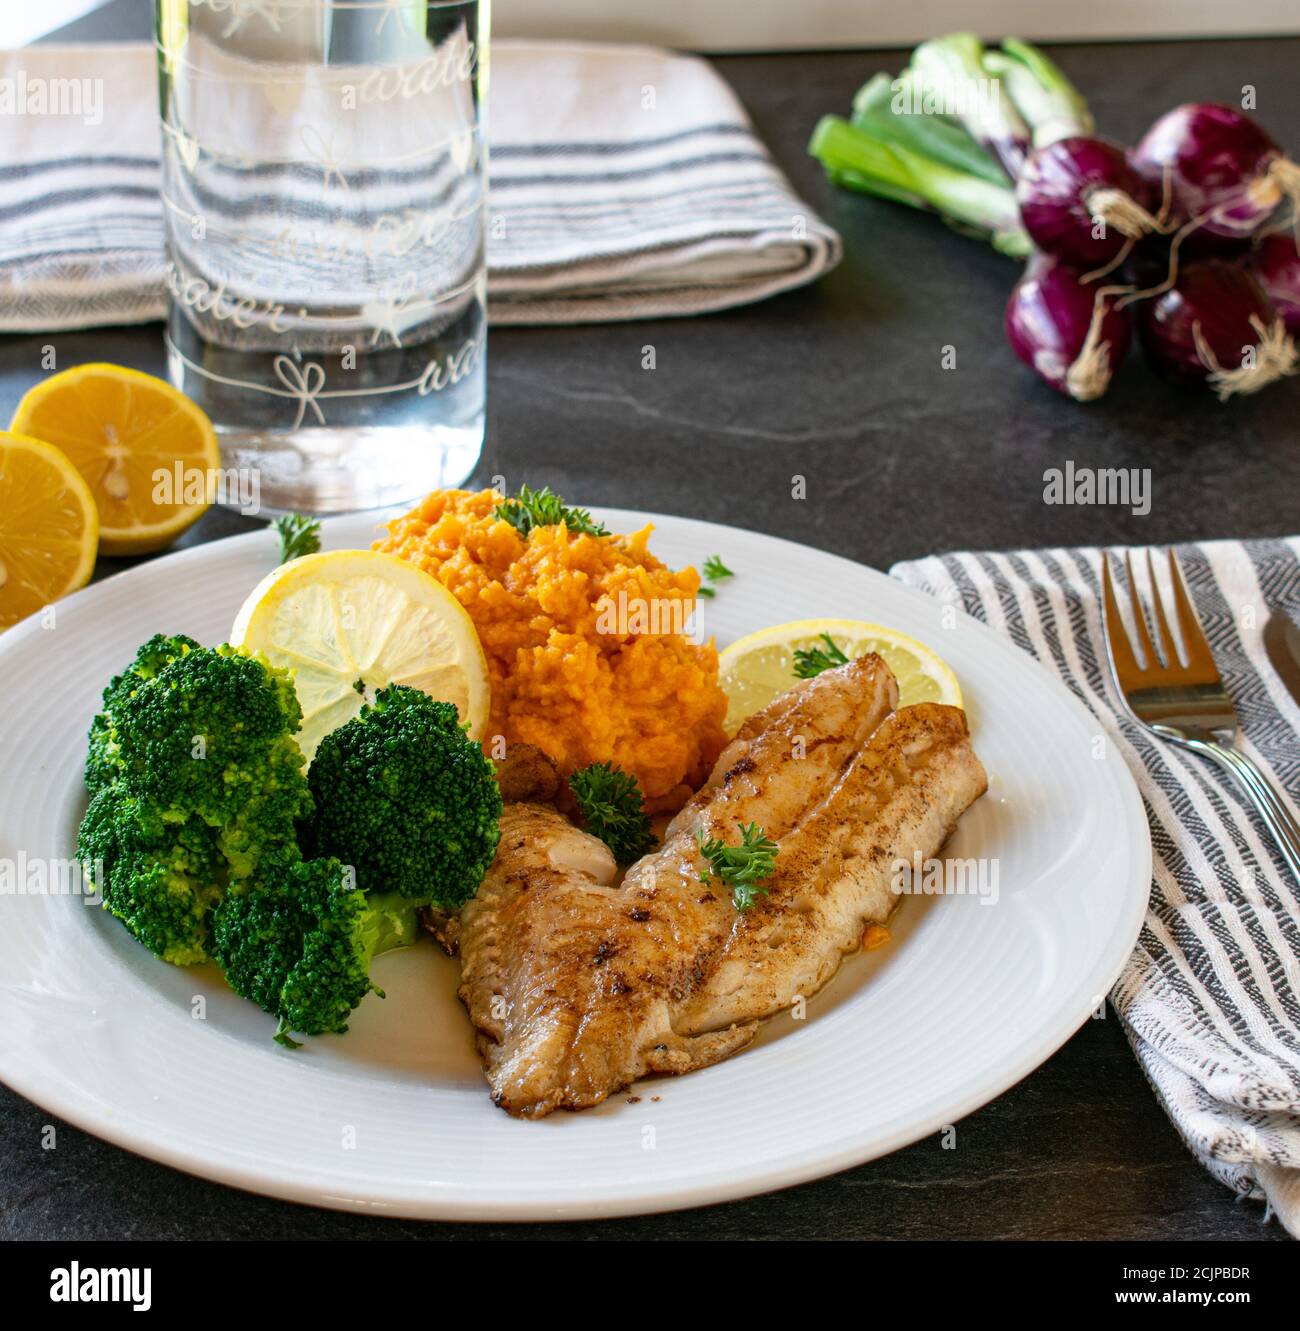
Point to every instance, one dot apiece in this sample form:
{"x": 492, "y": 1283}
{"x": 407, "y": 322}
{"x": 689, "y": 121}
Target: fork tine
{"x": 1140, "y": 615}
{"x": 1195, "y": 643}
{"x": 1121, "y": 650}
{"x": 1167, "y": 648}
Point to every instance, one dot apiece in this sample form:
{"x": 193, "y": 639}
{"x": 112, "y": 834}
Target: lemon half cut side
{"x": 148, "y": 454}
{"x": 49, "y": 528}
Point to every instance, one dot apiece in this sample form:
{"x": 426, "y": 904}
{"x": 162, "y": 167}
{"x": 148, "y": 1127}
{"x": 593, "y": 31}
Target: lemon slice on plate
{"x": 147, "y": 452}
{"x": 759, "y": 667}
{"x": 48, "y": 527}
{"x": 350, "y": 622}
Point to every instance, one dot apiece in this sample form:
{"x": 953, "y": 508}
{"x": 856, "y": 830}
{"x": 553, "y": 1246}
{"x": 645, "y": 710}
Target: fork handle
{"x": 1270, "y": 806}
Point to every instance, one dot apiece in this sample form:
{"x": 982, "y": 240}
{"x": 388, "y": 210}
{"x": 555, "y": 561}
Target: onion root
{"x": 1090, "y": 372}
{"x": 1120, "y": 210}
{"x": 1275, "y": 357}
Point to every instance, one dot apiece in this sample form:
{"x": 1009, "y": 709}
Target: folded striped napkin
{"x": 1210, "y": 998}
{"x": 626, "y": 182}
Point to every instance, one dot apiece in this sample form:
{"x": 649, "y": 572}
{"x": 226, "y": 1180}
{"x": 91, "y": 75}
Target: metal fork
{"x": 1187, "y": 703}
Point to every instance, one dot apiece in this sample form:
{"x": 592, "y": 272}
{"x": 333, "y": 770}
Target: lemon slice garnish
{"x": 759, "y": 667}
{"x": 350, "y": 622}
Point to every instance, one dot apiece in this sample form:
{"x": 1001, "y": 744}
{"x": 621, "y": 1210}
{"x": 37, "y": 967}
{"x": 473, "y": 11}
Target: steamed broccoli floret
{"x": 298, "y": 940}
{"x": 102, "y": 762}
{"x": 196, "y": 774}
{"x": 212, "y": 734}
{"x": 404, "y": 795}
{"x": 161, "y": 879}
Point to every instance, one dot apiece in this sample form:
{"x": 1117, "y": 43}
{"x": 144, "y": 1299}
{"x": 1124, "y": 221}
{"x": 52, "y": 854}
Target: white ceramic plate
{"x": 394, "y": 1117}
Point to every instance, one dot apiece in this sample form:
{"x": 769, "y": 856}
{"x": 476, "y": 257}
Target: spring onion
{"x": 894, "y": 110}
{"x": 951, "y": 71}
{"x": 1051, "y": 105}
{"x": 861, "y": 160}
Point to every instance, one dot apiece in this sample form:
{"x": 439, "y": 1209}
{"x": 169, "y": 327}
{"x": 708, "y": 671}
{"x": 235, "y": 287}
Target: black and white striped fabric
{"x": 1210, "y": 998}
{"x": 626, "y": 182}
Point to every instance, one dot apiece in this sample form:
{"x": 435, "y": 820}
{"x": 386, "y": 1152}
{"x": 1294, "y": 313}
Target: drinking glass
{"x": 323, "y": 182}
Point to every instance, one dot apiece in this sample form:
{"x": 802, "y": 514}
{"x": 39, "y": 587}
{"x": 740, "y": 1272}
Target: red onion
{"x": 1275, "y": 263}
{"x": 1082, "y": 202}
{"x": 1216, "y": 326}
{"x": 1066, "y": 331}
{"x": 1225, "y": 173}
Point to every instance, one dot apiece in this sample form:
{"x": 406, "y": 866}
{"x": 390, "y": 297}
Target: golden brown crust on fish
{"x": 526, "y": 775}
{"x": 578, "y": 987}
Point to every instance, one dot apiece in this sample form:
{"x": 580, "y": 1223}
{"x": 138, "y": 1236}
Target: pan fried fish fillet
{"x": 577, "y": 987}
{"x": 524, "y": 774}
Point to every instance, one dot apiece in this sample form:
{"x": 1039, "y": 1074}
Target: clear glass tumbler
{"x": 324, "y": 183}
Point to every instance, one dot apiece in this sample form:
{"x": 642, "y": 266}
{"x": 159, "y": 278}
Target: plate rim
{"x": 61, "y": 1099}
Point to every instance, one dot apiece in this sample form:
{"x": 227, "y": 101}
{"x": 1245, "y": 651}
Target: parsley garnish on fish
{"x": 541, "y": 508}
{"x": 810, "y": 661}
{"x": 740, "y": 868}
{"x": 612, "y": 809}
{"x": 714, "y": 571}
{"x": 299, "y": 535}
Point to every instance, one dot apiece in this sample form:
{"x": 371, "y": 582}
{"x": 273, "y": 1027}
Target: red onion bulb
{"x": 1223, "y": 170}
{"x": 1067, "y": 331}
{"x": 1275, "y": 263}
{"x": 1082, "y": 202}
{"x": 1216, "y": 326}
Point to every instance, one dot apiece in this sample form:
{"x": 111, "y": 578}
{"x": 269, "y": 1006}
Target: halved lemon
{"x": 757, "y": 668}
{"x": 350, "y": 622}
{"x": 147, "y": 452}
{"x": 49, "y": 529}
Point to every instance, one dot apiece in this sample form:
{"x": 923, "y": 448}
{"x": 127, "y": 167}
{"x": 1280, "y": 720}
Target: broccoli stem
{"x": 283, "y": 1037}
{"x": 391, "y": 921}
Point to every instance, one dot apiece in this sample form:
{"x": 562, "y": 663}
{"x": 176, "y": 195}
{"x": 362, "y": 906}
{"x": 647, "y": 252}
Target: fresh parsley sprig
{"x": 540, "y": 508}
{"x": 612, "y": 809}
{"x": 740, "y": 868}
{"x": 714, "y": 571}
{"x": 299, "y": 535}
{"x": 810, "y": 661}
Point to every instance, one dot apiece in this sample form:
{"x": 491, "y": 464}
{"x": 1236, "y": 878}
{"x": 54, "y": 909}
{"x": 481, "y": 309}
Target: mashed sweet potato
{"x": 579, "y": 636}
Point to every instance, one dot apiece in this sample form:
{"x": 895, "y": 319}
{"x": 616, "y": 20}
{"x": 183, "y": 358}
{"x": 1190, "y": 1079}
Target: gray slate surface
{"x": 839, "y": 383}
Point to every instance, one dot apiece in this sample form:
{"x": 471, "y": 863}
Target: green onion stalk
{"x": 950, "y": 73}
{"x": 1049, "y": 103}
{"x": 893, "y": 109}
{"x": 860, "y": 160}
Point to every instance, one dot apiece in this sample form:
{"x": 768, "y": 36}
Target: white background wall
{"x": 22, "y": 21}
{"x": 735, "y": 25}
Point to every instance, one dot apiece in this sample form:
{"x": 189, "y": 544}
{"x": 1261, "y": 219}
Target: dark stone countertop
{"x": 841, "y": 383}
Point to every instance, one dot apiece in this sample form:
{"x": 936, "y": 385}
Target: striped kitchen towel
{"x": 626, "y": 182}
{"x": 1210, "y": 998}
